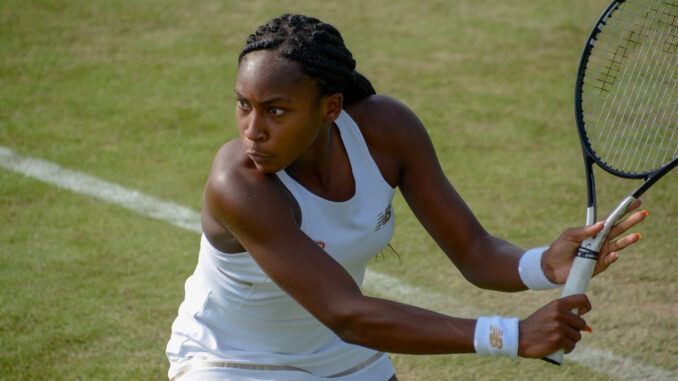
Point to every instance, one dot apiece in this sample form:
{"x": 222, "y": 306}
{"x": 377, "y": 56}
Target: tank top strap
{"x": 357, "y": 150}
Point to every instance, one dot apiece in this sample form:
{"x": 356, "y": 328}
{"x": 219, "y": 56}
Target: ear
{"x": 333, "y": 104}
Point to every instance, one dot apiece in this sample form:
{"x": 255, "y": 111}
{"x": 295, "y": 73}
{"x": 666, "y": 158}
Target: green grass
{"x": 140, "y": 94}
{"x": 81, "y": 298}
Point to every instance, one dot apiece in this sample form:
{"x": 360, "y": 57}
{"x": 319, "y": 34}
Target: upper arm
{"x": 404, "y": 151}
{"x": 256, "y": 210}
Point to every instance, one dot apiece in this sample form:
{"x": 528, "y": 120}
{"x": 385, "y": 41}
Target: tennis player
{"x": 294, "y": 209}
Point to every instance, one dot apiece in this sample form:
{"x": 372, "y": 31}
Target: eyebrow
{"x": 266, "y": 102}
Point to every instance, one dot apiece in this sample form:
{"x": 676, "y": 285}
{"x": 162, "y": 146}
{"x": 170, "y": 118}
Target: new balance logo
{"x": 383, "y": 218}
{"x": 496, "y": 337}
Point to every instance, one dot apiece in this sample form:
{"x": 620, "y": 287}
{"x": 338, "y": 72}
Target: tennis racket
{"x": 626, "y": 107}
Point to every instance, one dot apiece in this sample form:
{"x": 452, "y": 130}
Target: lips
{"x": 257, "y": 156}
{"x": 264, "y": 163}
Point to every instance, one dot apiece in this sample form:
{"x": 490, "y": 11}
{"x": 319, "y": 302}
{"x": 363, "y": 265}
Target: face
{"x": 279, "y": 111}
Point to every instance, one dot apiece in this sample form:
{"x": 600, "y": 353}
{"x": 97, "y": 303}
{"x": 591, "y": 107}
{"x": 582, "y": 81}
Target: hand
{"x": 557, "y": 260}
{"x": 553, "y": 327}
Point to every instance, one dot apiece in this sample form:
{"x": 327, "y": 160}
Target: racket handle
{"x": 577, "y": 283}
{"x": 584, "y": 264}
{"x": 555, "y": 358}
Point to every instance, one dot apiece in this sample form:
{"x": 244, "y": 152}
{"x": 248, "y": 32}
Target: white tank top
{"x": 234, "y": 313}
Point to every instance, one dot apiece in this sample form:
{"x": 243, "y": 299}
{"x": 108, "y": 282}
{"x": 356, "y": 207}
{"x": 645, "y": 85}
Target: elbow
{"x": 347, "y": 323}
{"x": 475, "y": 278}
{"x": 475, "y": 265}
{"x": 490, "y": 271}
{"x": 482, "y": 274}
{"x": 344, "y": 326}
{"x": 349, "y": 335}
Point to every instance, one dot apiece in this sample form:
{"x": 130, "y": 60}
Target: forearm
{"x": 486, "y": 261}
{"x": 492, "y": 263}
{"x": 398, "y": 328}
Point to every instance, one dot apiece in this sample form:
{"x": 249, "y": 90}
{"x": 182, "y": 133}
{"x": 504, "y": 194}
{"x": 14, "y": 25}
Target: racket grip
{"x": 585, "y": 262}
{"x": 577, "y": 283}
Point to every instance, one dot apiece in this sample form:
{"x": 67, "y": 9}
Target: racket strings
{"x": 630, "y": 41}
{"x": 667, "y": 18}
{"x": 629, "y": 96}
{"x": 628, "y": 146}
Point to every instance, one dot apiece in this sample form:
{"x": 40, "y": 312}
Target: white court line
{"x": 597, "y": 360}
{"x": 382, "y": 284}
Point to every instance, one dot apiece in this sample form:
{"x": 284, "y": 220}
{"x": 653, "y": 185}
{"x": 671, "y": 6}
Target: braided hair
{"x": 320, "y": 50}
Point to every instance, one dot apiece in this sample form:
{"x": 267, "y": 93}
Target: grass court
{"x": 139, "y": 93}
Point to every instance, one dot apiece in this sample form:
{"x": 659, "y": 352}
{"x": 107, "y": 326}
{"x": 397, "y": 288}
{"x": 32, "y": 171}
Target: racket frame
{"x": 587, "y": 255}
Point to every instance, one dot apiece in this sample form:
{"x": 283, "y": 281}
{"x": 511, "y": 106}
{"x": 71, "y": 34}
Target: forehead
{"x": 266, "y": 72}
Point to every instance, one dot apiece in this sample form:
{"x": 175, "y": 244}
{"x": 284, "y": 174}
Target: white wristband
{"x": 496, "y": 336}
{"x": 531, "y": 272}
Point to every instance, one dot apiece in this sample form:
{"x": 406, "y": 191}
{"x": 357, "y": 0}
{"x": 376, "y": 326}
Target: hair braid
{"x": 320, "y": 50}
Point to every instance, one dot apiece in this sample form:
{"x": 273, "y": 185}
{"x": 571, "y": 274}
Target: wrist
{"x": 532, "y": 272}
{"x": 496, "y": 336}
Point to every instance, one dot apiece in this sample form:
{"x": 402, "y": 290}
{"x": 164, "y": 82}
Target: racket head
{"x": 626, "y": 93}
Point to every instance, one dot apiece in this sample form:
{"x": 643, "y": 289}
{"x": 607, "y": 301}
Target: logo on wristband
{"x": 496, "y": 337}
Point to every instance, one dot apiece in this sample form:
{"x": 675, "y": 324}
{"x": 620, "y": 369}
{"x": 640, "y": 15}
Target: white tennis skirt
{"x": 201, "y": 368}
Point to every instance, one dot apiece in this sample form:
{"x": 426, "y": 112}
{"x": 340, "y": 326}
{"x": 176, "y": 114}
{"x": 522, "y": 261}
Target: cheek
{"x": 299, "y": 136}
{"x": 241, "y": 129}
{"x": 289, "y": 142}
{"x": 286, "y": 142}
{"x": 239, "y": 121}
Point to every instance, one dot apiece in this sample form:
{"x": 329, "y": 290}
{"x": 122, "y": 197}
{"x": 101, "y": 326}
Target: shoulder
{"x": 237, "y": 195}
{"x": 232, "y": 172}
{"x": 392, "y": 131}
{"x": 382, "y": 112}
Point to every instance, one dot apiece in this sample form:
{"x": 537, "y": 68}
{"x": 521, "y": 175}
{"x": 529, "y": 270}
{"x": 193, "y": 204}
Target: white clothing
{"x": 373, "y": 369}
{"x": 235, "y": 320}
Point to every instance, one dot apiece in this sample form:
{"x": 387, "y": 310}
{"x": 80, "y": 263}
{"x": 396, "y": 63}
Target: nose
{"x": 255, "y": 129}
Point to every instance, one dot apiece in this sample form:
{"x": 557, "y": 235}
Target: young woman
{"x": 295, "y": 208}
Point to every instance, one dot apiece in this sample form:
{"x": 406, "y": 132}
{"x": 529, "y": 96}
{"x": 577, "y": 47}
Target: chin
{"x": 267, "y": 169}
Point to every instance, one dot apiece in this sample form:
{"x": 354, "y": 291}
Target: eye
{"x": 243, "y": 105}
{"x": 277, "y": 111}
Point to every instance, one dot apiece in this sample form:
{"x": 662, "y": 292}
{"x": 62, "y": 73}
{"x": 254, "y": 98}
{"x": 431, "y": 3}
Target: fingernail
{"x": 588, "y": 329}
{"x": 645, "y": 213}
{"x": 639, "y": 235}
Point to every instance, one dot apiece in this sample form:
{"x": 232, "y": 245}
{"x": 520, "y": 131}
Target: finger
{"x": 579, "y": 301}
{"x": 634, "y": 205}
{"x": 609, "y": 251}
{"x": 583, "y": 310}
{"x": 628, "y": 223}
{"x": 581, "y": 233}
{"x": 624, "y": 242}
{"x": 566, "y": 343}
{"x": 572, "y": 334}
{"x": 569, "y": 346}
{"x": 605, "y": 261}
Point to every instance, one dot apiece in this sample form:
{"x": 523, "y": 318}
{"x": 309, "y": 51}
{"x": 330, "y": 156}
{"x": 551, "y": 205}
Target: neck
{"x": 314, "y": 167}
{"x": 329, "y": 175}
